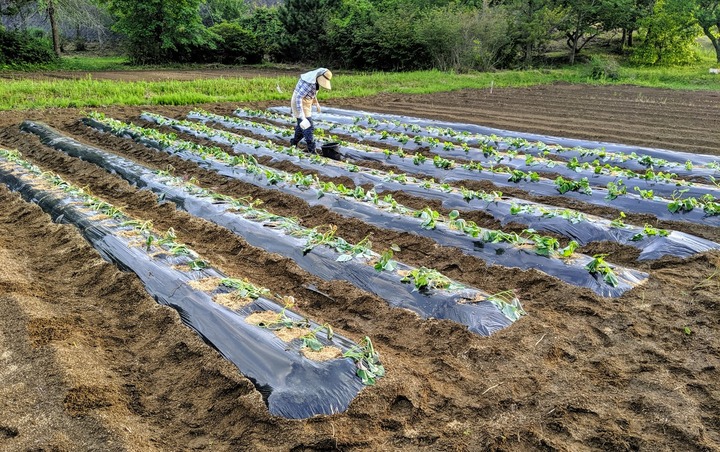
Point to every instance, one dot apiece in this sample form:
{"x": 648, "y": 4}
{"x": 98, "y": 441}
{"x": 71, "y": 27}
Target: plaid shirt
{"x": 303, "y": 89}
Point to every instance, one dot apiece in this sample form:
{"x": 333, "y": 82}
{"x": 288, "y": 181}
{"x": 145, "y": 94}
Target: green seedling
{"x": 386, "y": 262}
{"x": 244, "y": 289}
{"x": 429, "y": 279}
{"x": 650, "y": 231}
{"x": 599, "y": 266}
{"x": 367, "y": 362}
{"x": 197, "y": 264}
{"x": 619, "y": 222}
{"x": 311, "y": 341}
{"x": 429, "y": 217}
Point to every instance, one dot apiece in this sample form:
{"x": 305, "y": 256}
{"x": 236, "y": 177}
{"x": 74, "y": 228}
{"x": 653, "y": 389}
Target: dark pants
{"x": 307, "y": 134}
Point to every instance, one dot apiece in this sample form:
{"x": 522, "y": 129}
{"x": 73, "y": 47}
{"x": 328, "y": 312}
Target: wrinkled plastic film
{"x": 492, "y": 253}
{"x": 484, "y": 318}
{"x": 660, "y": 187}
{"x": 584, "y": 232}
{"x": 670, "y": 155}
{"x": 545, "y": 187}
{"x": 294, "y": 386}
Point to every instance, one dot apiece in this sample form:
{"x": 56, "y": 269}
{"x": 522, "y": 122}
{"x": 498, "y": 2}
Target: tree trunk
{"x": 575, "y": 39}
{"x": 622, "y": 39}
{"x": 53, "y": 27}
{"x": 573, "y": 48}
{"x": 714, "y": 40}
{"x": 528, "y": 54}
{"x": 629, "y": 37}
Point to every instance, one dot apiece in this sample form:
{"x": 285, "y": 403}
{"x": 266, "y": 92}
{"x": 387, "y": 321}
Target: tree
{"x": 462, "y": 38}
{"x": 46, "y": 6}
{"x": 50, "y": 8}
{"x": 708, "y": 16}
{"x": 266, "y": 25}
{"x": 377, "y": 34}
{"x": 671, "y": 31}
{"x": 218, "y": 11}
{"x": 624, "y": 15}
{"x": 160, "y": 31}
{"x": 581, "y": 24}
{"x": 305, "y": 23}
{"x": 60, "y": 14}
{"x": 532, "y": 25}
{"x": 82, "y": 16}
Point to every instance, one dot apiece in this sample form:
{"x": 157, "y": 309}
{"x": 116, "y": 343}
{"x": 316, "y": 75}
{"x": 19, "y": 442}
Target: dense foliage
{"x": 399, "y": 35}
{"x": 20, "y": 47}
{"x": 232, "y": 44}
{"x": 160, "y": 31}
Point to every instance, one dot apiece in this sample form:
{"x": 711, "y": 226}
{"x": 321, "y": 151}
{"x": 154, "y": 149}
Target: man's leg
{"x": 309, "y": 138}
{"x": 298, "y": 134}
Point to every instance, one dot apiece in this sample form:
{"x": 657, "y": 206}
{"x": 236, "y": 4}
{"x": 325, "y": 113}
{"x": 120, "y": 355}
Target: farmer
{"x": 303, "y": 97}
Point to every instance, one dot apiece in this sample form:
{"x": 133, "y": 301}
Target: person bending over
{"x": 303, "y": 98}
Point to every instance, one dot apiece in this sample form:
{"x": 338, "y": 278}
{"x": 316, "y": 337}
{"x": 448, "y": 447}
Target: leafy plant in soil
{"x": 565, "y": 185}
{"x": 649, "y": 231}
{"x": 367, "y": 361}
{"x": 429, "y": 279}
{"x": 386, "y": 262}
{"x": 311, "y": 341}
{"x": 679, "y": 204}
{"x": 244, "y": 289}
{"x": 599, "y": 266}
{"x": 508, "y": 303}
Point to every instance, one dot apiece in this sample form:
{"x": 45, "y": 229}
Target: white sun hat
{"x": 321, "y": 76}
{"x": 324, "y": 79}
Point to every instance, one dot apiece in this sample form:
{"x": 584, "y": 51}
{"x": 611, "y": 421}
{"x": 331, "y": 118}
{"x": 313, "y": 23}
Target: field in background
{"x": 93, "y": 82}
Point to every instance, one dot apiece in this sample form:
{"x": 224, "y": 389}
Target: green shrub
{"x": 268, "y": 29}
{"x": 462, "y": 38}
{"x": 23, "y": 48}
{"x": 363, "y": 35}
{"x": 670, "y": 35}
{"x": 235, "y": 45}
{"x": 604, "y": 68}
{"x": 304, "y": 24}
{"x": 158, "y": 31}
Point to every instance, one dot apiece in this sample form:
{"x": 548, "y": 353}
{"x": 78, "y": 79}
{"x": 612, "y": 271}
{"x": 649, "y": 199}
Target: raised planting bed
{"x": 320, "y": 251}
{"x": 506, "y": 249}
{"x": 584, "y": 229}
{"x": 568, "y": 148}
{"x": 603, "y": 168}
{"x": 311, "y": 372}
{"x": 679, "y": 206}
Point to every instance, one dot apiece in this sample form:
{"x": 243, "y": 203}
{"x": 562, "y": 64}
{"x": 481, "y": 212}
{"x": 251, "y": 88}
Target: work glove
{"x": 304, "y": 124}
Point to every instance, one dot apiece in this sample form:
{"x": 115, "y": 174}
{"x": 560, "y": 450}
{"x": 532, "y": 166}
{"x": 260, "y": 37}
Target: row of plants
{"x": 320, "y": 250}
{"x": 580, "y": 227}
{"x": 430, "y": 132}
{"x": 516, "y": 165}
{"x": 177, "y": 276}
{"x": 643, "y": 200}
{"x": 428, "y": 219}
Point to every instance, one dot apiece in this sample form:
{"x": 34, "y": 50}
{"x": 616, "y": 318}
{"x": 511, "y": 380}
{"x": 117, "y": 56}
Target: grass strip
{"x": 88, "y": 92}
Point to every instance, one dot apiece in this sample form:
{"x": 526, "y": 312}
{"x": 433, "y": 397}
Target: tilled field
{"x": 90, "y": 361}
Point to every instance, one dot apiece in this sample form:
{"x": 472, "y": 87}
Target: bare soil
{"x": 90, "y": 362}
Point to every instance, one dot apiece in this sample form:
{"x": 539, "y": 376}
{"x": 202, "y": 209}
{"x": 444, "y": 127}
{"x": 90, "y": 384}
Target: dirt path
{"x": 82, "y": 342}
